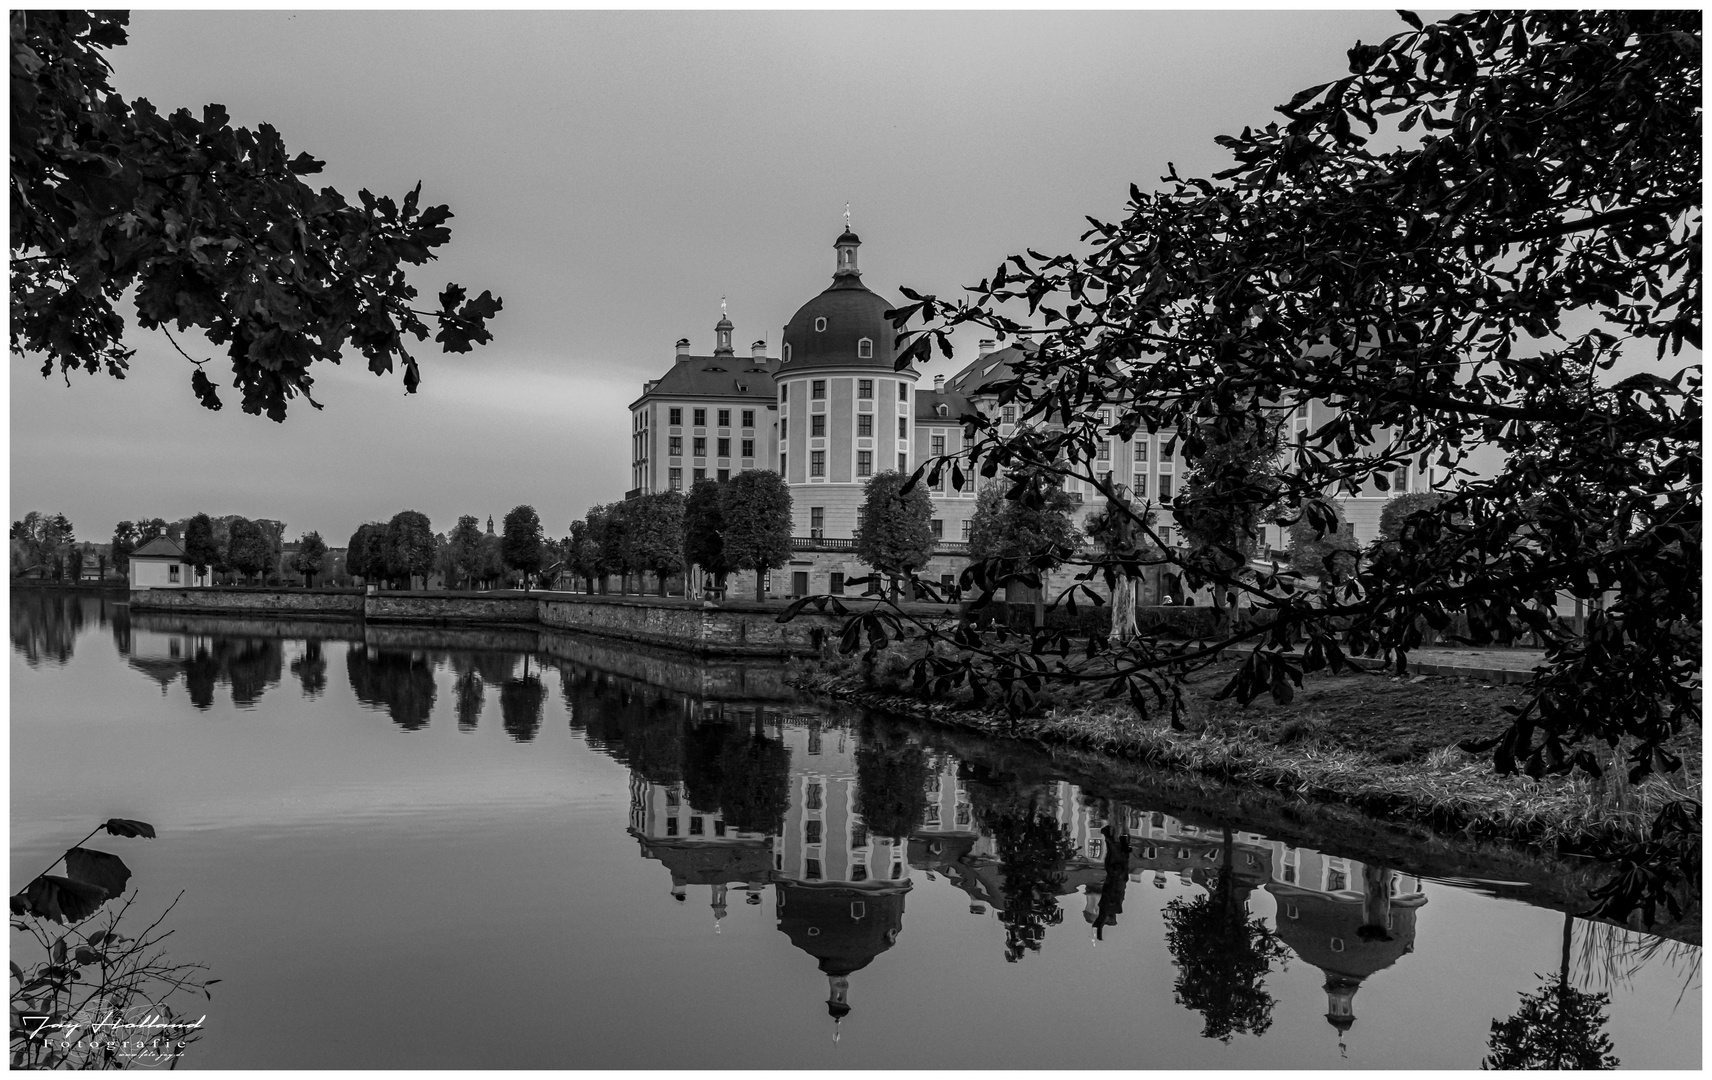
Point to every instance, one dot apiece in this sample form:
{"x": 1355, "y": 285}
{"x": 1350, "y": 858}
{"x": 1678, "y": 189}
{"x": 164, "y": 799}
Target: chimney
{"x": 988, "y": 345}
{"x": 759, "y": 349}
{"x": 939, "y": 384}
{"x": 683, "y": 349}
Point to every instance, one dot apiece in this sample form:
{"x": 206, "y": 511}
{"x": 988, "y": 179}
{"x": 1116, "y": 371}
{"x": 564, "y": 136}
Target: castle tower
{"x": 844, "y": 412}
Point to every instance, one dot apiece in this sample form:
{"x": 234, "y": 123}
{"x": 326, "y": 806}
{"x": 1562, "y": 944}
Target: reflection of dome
{"x": 843, "y": 928}
{"x": 1326, "y": 932}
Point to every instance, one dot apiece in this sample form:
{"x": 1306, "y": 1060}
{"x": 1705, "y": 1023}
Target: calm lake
{"x": 442, "y": 848}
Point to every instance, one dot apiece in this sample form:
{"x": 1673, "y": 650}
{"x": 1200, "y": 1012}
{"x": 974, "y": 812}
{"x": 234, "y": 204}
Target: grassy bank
{"x": 1383, "y": 744}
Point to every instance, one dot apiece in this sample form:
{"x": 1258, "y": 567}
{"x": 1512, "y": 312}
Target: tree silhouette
{"x": 1222, "y": 957}
{"x": 1557, "y": 1026}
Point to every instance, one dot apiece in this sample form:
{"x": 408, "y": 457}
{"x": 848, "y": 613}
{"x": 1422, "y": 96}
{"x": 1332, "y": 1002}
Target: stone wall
{"x": 444, "y": 608}
{"x": 339, "y": 603}
{"x": 733, "y": 628}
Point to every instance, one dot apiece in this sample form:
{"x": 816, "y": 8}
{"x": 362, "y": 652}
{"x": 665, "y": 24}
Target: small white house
{"x": 162, "y": 564}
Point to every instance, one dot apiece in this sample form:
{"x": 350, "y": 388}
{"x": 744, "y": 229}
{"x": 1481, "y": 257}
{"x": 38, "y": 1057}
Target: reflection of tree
{"x": 247, "y": 665}
{"x": 704, "y": 769}
{"x": 311, "y": 669}
{"x": 520, "y": 706}
{"x": 1222, "y": 956}
{"x": 45, "y": 626}
{"x": 495, "y": 667}
{"x": 400, "y": 682}
{"x": 468, "y": 695}
{"x": 1032, "y": 851}
{"x": 1557, "y": 1026}
{"x": 755, "y": 782}
{"x": 891, "y": 784}
{"x": 1117, "y": 874}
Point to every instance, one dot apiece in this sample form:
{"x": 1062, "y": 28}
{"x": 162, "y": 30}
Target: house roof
{"x": 927, "y": 403}
{"x": 160, "y": 547}
{"x": 741, "y": 377}
{"x": 987, "y": 368}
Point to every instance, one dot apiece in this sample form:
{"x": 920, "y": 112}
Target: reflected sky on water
{"x": 449, "y": 848}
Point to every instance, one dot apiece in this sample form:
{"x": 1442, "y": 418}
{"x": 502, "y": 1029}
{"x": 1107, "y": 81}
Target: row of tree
{"x": 406, "y": 548}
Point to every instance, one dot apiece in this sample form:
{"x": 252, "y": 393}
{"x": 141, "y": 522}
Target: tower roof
{"x": 830, "y": 330}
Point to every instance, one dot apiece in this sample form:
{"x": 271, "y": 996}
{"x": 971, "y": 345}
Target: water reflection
{"x": 842, "y": 818}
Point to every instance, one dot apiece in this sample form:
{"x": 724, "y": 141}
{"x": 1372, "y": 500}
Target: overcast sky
{"x": 613, "y": 174}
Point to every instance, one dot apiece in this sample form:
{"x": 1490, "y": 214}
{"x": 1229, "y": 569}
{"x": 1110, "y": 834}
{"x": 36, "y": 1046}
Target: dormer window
{"x": 865, "y": 348}
{"x": 787, "y": 354}
{"x": 940, "y": 409}
{"x": 820, "y": 324}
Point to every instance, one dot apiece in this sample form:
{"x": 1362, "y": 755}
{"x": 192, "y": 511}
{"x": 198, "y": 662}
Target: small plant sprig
{"x": 99, "y": 998}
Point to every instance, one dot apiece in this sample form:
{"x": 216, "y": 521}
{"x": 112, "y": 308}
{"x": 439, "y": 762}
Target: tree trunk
{"x": 1123, "y": 610}
{"x": 660, "y": 575}
{"x": 760, "y": 585}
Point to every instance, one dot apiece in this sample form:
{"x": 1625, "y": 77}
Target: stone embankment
{"x": 729, "y": 628}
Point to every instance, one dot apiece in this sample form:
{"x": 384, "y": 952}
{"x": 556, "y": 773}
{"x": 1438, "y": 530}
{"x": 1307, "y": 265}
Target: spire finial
{"x": 846, "y": 217}
{"x": 722, "y": 307}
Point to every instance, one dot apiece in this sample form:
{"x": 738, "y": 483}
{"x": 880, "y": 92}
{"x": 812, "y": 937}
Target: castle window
{"x": 865, "y": 425}
{"x": 699, "y": 446}
{"x": 817, "y": 425}
{"x": 701, "y": 474}
{"x": 903, "y": 428}
{"x": 748, "y": 447}
{"x": 939, "y": 446}
{"x": 903, "y": 391}
{"x": 674, "y": 416}
{"x": 865, "y": 388}
{"x": 903, "y": 461}
{"x": 724, "y": 447}
{"x": 938, "y": 526}
{"x": 696, "y": 825}
{"x": 817, "y": 463}
{"x": 1164, "y": 487}
{"x": 783, "y": 390}
{"x": 675, "y": 479}
{"x": 1139, "y": 488}
{"x": 724, "y": 475}
{"x": 836, "y": 588}
{"x": 865, "y": 348}
{"x": 811, "y": 832}
{"x": 748, "y": 417}
{"x": 820, "y": 324}
{"x": 784, "y": 429}
{"x": 787, "y": 360}
{"x": 1009, "y": 414}
{"x": 700, "y": 418}
{"x": 816, "y": 521}
{"x": 817, "y": 389}
{"x": 864, "y": 463}
{"x": 725, "y": 418}
{"x": 675, "y": 445}
{"x": 965, "y": 536}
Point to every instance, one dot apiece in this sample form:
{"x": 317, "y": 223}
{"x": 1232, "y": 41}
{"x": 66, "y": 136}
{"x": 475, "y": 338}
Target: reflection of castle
{"x": 840, "y": 891}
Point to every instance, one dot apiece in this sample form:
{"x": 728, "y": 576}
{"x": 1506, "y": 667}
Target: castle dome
{"x": 845, "y": 326}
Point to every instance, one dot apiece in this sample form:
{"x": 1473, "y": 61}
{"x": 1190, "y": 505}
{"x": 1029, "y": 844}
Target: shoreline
{"x": 1448, "y": 791}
